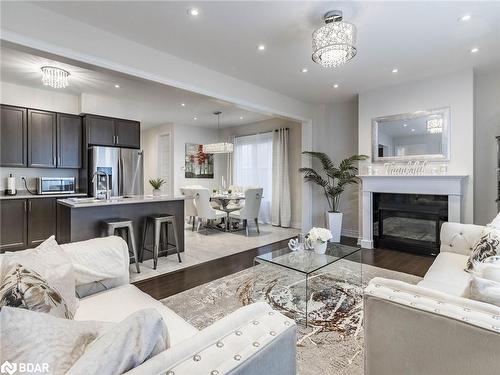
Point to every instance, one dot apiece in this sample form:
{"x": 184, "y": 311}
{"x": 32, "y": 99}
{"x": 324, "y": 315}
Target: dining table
{"x": 224, "y": 199}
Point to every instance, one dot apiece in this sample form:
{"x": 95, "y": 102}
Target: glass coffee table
{"x": 307, "y": 278}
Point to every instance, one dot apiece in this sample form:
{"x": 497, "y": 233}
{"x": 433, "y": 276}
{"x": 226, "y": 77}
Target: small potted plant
{"x": 319, "y": 238}
{"x": 156, "y": 183}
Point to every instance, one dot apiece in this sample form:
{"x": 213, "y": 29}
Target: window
{"x": 253, "y": 163}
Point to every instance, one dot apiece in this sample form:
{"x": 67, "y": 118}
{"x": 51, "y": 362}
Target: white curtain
{"x": 230, "y": 163}
{"x": 253, "y": 155}
{"x": 281, "y": 214}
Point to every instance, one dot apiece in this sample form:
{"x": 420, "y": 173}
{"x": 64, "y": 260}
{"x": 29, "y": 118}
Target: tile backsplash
{"x": 31, "y": 174}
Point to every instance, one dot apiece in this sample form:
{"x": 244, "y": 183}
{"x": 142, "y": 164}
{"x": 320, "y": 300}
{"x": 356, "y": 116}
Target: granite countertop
{"x": 134, "y": 199}
{"x": 23, "y": 194}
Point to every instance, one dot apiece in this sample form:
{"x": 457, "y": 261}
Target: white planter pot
{"x": 319, "y": 247}
{"x": 156, "y": 192}
{"x": 334, "y": 223}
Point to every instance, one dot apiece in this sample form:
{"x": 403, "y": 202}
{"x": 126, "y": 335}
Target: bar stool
{"x": 160, "y": 232}
{"x": 124, "y": 226}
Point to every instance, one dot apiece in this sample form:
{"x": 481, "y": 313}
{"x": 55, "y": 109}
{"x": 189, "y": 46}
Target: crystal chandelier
{"x": 221, "y": 147}
{"x": 335, "y": 43}
{"x": 435, "y": 125}
{"x": 54, "y": 77}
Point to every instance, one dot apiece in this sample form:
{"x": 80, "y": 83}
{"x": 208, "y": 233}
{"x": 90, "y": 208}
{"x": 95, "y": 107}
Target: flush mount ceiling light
{"x": 54, "y": 77}
{"x": 335, "y": 43}
{"x": 221, "y": 147}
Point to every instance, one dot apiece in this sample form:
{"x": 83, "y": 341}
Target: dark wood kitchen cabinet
{"x": 41, "y": 139}
{"x": 100, "y": 130}
{"x": 26, "y": 223}
{"x": 14, "y": 224}
{"x": 127, "y": 133}
{"x": 69, "y": 141}
{"x": 41, "y": 220}
{"x": 13, "y": 136}
{"x": 108, "y": 131}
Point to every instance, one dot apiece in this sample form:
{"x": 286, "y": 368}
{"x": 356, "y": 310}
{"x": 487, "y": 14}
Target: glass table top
{"x": 307, "y": 261}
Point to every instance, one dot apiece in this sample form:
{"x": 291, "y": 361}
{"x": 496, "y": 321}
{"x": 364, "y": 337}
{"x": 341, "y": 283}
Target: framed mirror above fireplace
{"x": 423, "y": 135}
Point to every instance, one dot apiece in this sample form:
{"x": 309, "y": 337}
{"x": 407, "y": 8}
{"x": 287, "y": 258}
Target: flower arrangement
{"x": 319, "y": 235}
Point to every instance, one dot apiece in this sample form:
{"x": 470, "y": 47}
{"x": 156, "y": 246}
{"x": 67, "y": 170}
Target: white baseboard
{"x": 350, "y": 233}
{"x": 366, "y": 244}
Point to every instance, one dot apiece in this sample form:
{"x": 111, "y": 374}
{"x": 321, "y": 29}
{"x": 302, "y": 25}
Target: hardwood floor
{"x": 163, "y": 286}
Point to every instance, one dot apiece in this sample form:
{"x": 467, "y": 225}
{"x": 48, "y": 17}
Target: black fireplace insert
{"x": 409, "y": 222}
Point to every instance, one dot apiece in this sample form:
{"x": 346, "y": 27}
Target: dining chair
{"x": 250, "y": 211}
{"x": 189, "y": 206}
{"x": 205, "y": 211}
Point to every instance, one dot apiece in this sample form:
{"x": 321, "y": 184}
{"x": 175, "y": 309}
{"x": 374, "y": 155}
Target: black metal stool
{"x": 124, "y": 225}
{"x": 160, "y": 232}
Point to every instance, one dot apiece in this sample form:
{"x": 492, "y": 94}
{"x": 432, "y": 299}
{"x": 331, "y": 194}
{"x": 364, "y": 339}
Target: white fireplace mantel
{"x": 451, "y": 185}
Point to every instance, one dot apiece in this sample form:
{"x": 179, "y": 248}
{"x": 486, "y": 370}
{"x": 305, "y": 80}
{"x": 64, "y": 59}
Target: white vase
{"x": 319, "y": 247}
{"x": 334, "y": 223}
{"x": 156, "y": 192}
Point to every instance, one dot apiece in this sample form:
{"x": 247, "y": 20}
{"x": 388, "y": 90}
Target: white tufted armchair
{"x": 432, "y": 328}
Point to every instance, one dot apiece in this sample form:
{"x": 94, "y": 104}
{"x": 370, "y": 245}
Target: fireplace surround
{"x": 409, "y": 222}
{"x": 450, "y": 186}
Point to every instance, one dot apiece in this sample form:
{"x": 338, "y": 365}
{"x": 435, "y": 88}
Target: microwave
{"x": 56, "y": 185}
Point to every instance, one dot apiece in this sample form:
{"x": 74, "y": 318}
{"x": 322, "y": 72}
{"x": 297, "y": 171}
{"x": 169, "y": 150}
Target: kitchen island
{"x": 82, "y": 219}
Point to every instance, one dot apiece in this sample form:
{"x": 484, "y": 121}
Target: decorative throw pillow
{"x": 51, "y": 264}
{"x": 485, "y": 290}
{"x": 487, "y": 246}
{"x": 81, "y": 347}
{"x": 24, "y": 288}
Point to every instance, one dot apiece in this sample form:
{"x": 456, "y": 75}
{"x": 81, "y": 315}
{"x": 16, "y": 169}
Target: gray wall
{"x": 487, "y": 127}
{"x": 338, "y": 139}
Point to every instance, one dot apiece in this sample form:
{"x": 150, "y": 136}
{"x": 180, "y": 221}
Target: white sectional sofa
{"x": 432, "y": 328}
{"x": 252, "y": 340}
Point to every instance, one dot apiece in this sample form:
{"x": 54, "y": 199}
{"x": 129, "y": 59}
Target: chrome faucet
{"x": 100, "y": 173}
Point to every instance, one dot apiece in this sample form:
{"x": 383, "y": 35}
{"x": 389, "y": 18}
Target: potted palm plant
{"x": 156, "y": 183}
{"x": 333, "y": 180}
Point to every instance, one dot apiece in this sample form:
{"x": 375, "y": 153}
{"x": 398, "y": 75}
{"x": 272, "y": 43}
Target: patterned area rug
{"x": 332, "y": 342}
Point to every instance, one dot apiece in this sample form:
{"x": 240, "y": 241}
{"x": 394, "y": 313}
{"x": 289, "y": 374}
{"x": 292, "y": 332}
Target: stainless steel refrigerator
{"x": 124, "y": 167}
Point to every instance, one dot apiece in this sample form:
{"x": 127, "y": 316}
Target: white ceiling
{"x": 149, "y": 102}
{"x": 421, "y": 39}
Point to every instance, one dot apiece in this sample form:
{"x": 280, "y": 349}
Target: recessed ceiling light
{"x": 465, "y": 18}
{"x": 412, "y": 130}
{"x": 193, "y": 12}
{"x": 405, "y": 125}
{"x": 395, "y": 70}
{"x": 117, "y": 86}
{"x": 261, "y": 47}
{"x": 474, "y": 50}
{"x": 241, "y": 117}
{"x": 304, "y": 70}
{"x": 336, "y": 86}
{"x": 195, "y": 118}
{"x": 183, "y": 104}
